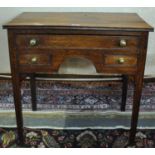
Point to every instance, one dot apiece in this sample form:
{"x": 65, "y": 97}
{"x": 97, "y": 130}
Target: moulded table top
{"x": 116, "y": 21}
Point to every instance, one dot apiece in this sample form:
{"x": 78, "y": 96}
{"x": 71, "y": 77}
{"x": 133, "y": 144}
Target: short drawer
{"x": 120, "y": 60}
{"x": 76, "y": 41}
{"x": 34, "y": 59}
{"x": 50, "y": 61}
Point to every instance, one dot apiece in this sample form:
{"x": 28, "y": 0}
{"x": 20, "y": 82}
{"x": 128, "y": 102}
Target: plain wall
{"x": 6, "y": 14}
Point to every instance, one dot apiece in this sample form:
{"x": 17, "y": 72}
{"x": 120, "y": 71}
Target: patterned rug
{"x": 39, "y": 138}
{"x": 76, "y": 96}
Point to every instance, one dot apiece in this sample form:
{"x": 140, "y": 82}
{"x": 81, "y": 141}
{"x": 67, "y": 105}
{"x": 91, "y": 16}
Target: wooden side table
{"x": 113, "y": 42}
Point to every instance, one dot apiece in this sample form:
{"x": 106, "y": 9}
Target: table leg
{"x": 124, "y": 92}
{"x": 33, "y": 92}
{"x": 18, "y": 107}
{"x": 135, "y": 109}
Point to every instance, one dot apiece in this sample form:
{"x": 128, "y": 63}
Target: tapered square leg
{"x": 124, "y": 91}
{"x": 136, "y": 105}
{"x": 18, "y": 108}
{"x": 33, "y": 92}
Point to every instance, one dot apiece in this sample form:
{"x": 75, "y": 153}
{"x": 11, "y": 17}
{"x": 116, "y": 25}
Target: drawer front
{"x": 77, "y": 41}
{"x": 50, "y": 60}
{"x": 120, "y": 64}
{"x": 34, "y": 59}
{"x": 120, "y": 60}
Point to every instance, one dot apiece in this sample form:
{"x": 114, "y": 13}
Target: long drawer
{"x": 45, "y": 41}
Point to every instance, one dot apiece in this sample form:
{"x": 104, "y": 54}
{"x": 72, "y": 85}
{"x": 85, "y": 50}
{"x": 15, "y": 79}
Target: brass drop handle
{"x": 33, "y": 42}
{"x": 34, "y": 60}
{"x": 123, "y": 43}
{"x": 121, "y": 60}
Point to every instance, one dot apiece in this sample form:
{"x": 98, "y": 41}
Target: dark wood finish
{"x": 16, "y": 89}
{"x": 138, "y": 86}
{"x": 33, "y": 92}
{"x": 45, "y": 41}
{"x": 113, "y": 60}
{"x": 58, "y": 56}
{"x": 124, "y": 91}
{"x": 41, "y": 59}
{"x": 106, "y": 21}
{"x": 93, "y": 36}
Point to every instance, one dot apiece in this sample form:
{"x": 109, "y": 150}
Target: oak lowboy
{"x": 115, "y": 43}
